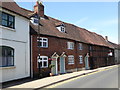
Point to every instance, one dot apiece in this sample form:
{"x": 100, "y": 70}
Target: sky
{"x": 98, "y": 17}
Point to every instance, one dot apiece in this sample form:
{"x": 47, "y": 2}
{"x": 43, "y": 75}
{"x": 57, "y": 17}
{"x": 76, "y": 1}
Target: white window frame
{"x": 80, "y": 46}
{"x": 70, "y": 45}
{"x": 42, "y": 41}
{"x": 80, "y": 59}
{"x": 70, "y": 59}
{"x": 42, "y": 57}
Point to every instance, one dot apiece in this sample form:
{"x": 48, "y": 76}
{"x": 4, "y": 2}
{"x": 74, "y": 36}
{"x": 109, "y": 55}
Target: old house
{"x": 14, "y": 42}
{"x": 62, "y": 45}
{"x": 65, "y": 46}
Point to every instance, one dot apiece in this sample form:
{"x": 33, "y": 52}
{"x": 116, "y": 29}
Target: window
{"x": 80, "y": 46}
{"x": 81, "y": 59}
{"x": 43, "y": 61}
{"x": 6, "y": 56}
{"x": 34, "y": 20}
{"x": 42, "y": 42}
{"x": 7, "y": 20}
{"x": 62, "y": 29}
{"x": 70, "y": 59}
{"x": 70, "y": 45}
{"x": 91, "y": 48}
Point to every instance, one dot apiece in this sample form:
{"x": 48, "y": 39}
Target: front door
{"x": 62, "y": 65}
{"x": 87, "y": 62}
{"x": 54, "y": 69}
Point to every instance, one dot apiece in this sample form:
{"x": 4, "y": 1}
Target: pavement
{"x": 45, "y": 82}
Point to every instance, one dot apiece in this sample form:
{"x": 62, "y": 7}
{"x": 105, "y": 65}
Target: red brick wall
{"x": 60, "y": 45}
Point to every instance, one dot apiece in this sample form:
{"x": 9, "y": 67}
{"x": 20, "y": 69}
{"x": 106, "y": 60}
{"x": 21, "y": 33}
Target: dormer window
{"x": 62, "y": 29}
{"x": 60, "y": 26}
{"x": 34, "y": 21}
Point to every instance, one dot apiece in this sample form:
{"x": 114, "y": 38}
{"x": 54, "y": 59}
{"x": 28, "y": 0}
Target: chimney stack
{"x": 106, "y": 38}
{"x": 41, "y": 11}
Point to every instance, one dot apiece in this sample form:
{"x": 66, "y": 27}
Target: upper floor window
{"x": 81, "y": 59}
{"x": 6, "y": 56}
{"x": 60, "y": 26}
{"x": 80, "y": 46}
{"x": 42, "y": 42}
{"x": 34, "y": 20}
{"x": 90, "y": 48}
{"x": 70, "y": 59}
{"x": 43, "y": 61}
{"x": 7, "y": 20}
{"x": 62, "y": 29}
{"x": 70, "y": 45}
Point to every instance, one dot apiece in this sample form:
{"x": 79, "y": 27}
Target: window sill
{"x": 70, "y": 49}
{"x": 71, "y": 64}
{"x": 9, "y": 67}
{"x": 7, "y": 28}
{"x": 42, "y": 47}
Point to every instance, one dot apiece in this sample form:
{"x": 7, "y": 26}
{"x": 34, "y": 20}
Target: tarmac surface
{"x": 103, "y": 79}
{"x": 45, "y": 82}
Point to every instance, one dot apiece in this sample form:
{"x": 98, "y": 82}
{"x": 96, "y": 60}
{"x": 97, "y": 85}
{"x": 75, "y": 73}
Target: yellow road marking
{"x": 57, "y": 84}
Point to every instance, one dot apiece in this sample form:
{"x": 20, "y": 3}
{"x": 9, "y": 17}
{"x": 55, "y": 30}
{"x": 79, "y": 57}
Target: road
{"x": 102, "y": 79}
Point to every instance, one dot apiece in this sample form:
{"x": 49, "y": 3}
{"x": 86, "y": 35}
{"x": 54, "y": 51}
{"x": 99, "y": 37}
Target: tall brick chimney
{"x": 41, "y": 9}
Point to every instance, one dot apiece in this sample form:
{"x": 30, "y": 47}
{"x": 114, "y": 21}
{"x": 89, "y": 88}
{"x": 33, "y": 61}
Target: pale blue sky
{"x": 99, "y": 17}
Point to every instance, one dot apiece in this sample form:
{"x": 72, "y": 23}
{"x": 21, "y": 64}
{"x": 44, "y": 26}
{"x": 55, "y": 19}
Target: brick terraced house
{"x": 65, "y": 46}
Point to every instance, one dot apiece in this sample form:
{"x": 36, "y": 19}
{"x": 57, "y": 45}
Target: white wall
{"x": 19, "y": 40}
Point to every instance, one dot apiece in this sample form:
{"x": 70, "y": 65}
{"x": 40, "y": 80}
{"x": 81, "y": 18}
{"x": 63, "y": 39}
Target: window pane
{"x": 4, "y": 22}
{"x": 40, "y": 64}
{"x": 4, "y": 16}
{"x": 45, "y": 58}
{"x": 0, "y": 60}
{"x": 44, "y": 39}
{"x": 0, "y": 18}
{"x": 39, "y": 44}
{"x": 11, "y": 18}
{"x": 4, "y": 61}
{"x": 11, "y": 25}
{"x": 36, "y": 21}
{"x": 45, "y": 64}
{"x": 10, "y": 61}
{"x": 44, "y": 44}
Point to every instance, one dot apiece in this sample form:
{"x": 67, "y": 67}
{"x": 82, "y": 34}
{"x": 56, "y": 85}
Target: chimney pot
{"x": 41, "y": 11}
{"x": 106, "y": 38}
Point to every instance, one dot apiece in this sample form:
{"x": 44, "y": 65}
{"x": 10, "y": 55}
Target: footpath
{"x": 44, "y": 82}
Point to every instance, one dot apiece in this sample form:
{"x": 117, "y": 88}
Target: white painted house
{"x": 14, "y": 43}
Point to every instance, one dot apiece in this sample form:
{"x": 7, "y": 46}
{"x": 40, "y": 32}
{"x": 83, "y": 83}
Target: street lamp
{"x": 39, "y": 65}
{"x": 39, "y": 2}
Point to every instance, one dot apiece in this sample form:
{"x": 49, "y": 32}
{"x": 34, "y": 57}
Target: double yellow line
{"x": 60, "y": 83}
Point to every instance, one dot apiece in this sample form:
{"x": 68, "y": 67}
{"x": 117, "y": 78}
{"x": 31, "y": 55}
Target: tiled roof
{"x": 49, "y": 27}
{"x": 72, "y": 32}
{"x": 12, "y": 6}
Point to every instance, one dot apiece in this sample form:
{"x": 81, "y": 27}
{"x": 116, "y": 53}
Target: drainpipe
{"x": 76, "y": 56}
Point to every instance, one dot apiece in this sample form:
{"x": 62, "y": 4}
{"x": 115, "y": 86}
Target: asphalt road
{"x": 102, "y": 79}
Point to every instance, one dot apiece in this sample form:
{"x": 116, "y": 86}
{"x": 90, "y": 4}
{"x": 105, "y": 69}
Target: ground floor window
{"x": 6, "y": 56}
{"x": 81, "y": 59}
{"x": 43, "y": 61}
{"x": 70, "y": 59}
